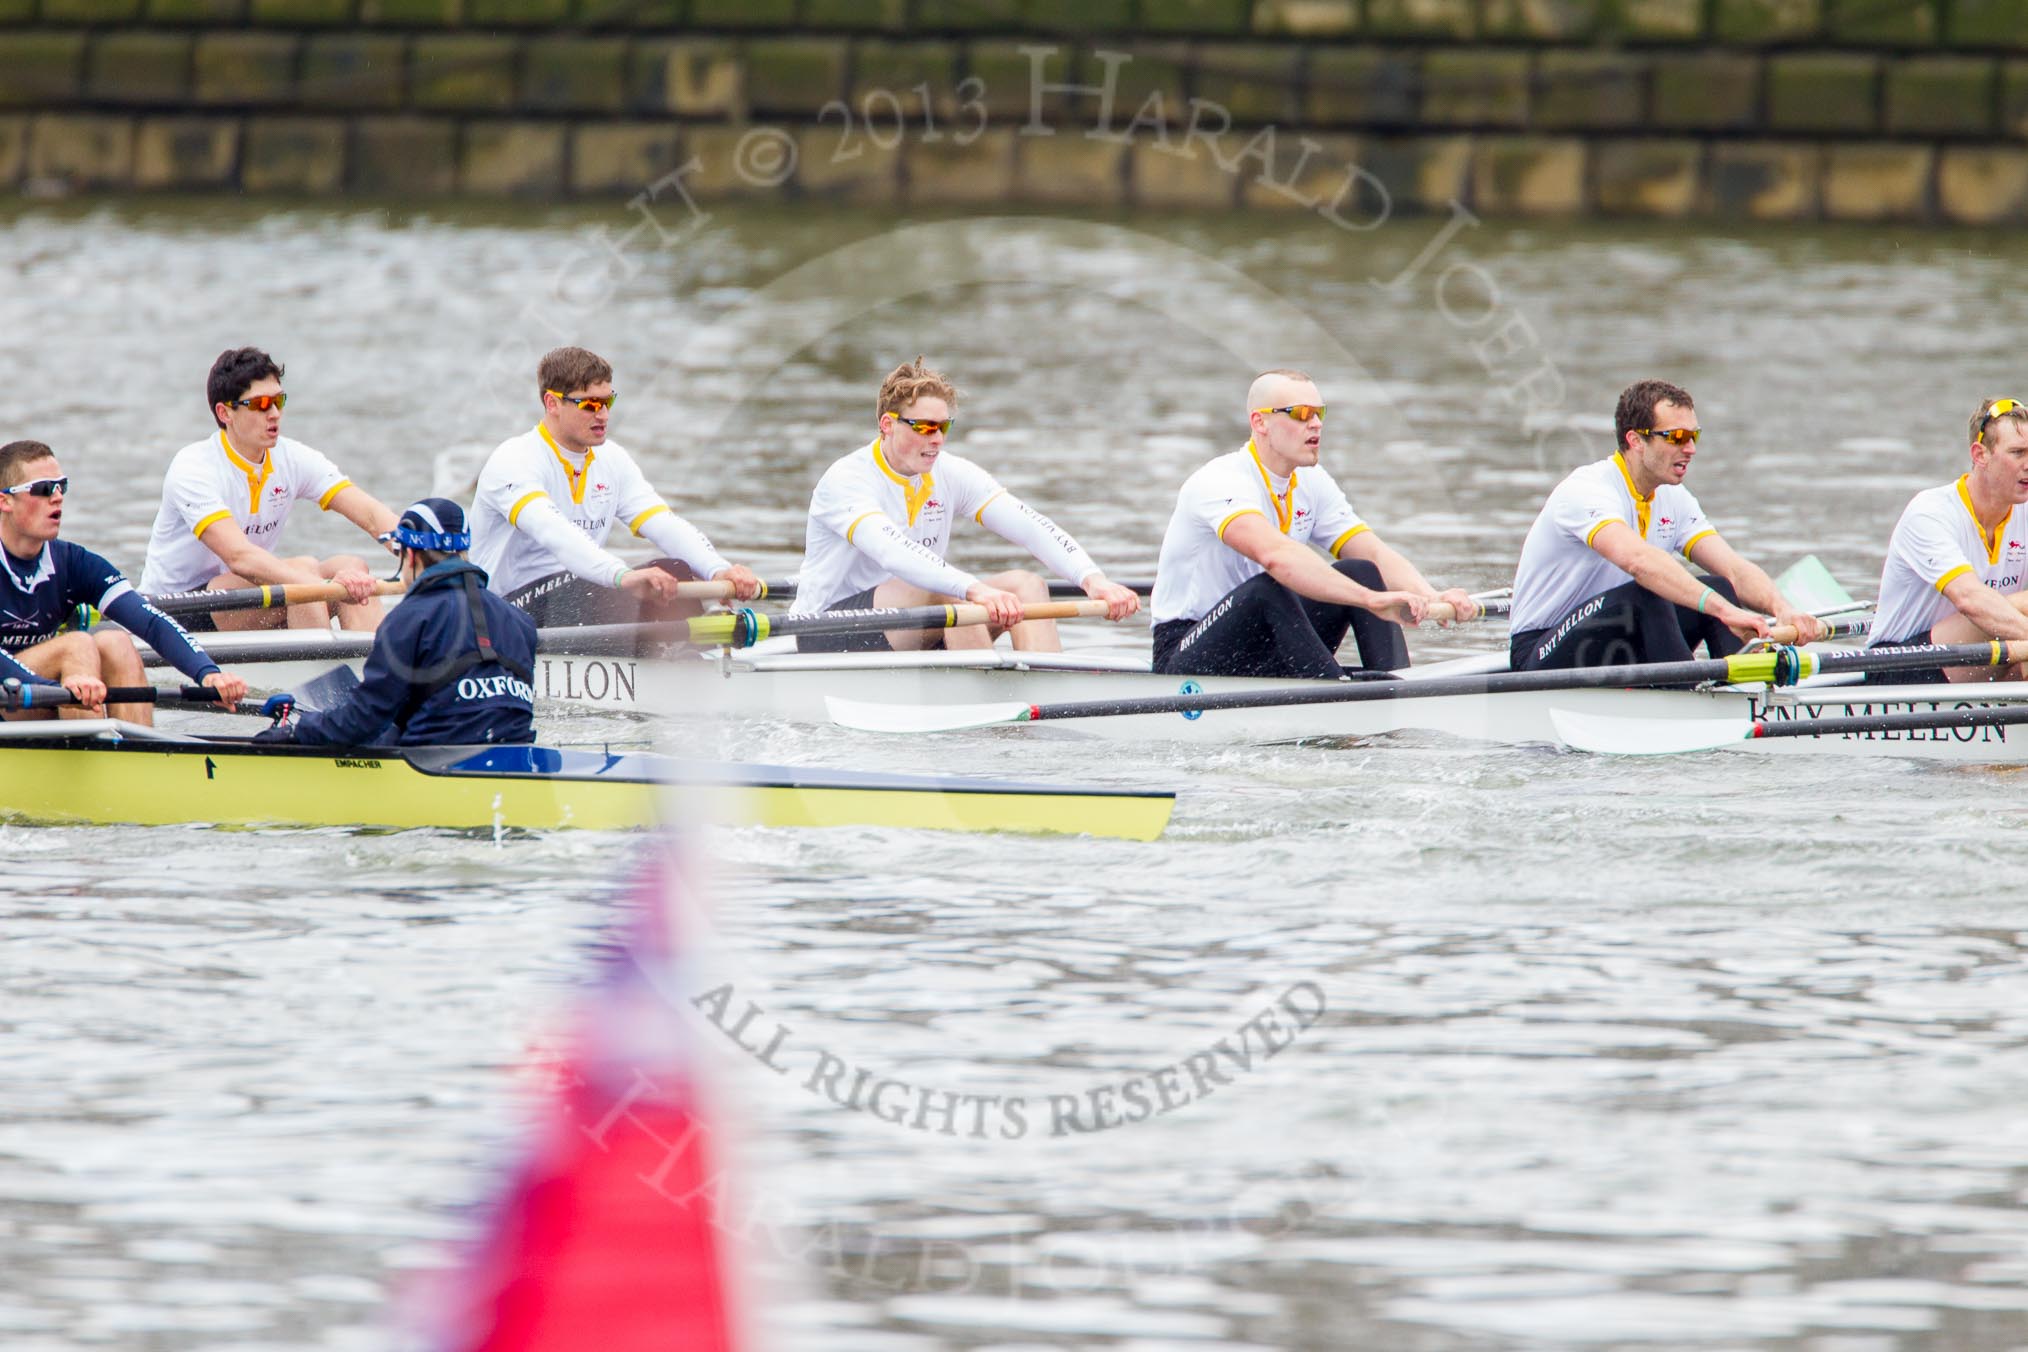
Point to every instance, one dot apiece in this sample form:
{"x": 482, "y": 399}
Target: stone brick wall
{"x": 1847, "y": 109}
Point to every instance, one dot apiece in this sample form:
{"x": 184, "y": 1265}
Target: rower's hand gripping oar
{"x": 1775, "y": 666}
{"x": 16, "y": 695}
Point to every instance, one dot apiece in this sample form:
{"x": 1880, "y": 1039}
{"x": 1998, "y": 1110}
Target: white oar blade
{"x": 865, "y": 717}
{"x": 1611, "y": 736}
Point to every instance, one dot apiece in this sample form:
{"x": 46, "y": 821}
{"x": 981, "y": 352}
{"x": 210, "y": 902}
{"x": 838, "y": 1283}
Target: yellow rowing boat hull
{"x": 237, "y": 784}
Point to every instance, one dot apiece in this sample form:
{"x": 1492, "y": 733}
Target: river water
{"x": 1706, "y": 1053}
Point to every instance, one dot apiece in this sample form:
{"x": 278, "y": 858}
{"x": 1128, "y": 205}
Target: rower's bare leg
{"x": 358, "y": 618}
{"x": 1958, "y": 629}
{"x": 1029, "y": 636}
{"x": 120, "y": 664}
{"x": 66, "y": 655}
{"x": 236, "y": 620}
{"x": 896, "y": 593}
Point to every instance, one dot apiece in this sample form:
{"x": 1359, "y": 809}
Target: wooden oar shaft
{"x": 1440, "y": 612}
{"x": 1847, "y": 628}
{"x": 1918, "y": 721}
{"x": 261, "y": 598}
{"x": 1779, "y": 666}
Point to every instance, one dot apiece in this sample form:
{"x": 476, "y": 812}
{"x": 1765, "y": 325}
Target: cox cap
{"x": 435, "y": 524}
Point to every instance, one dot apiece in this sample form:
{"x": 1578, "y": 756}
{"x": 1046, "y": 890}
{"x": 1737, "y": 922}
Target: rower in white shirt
{"x": 1240, "y": 589}
{"x": 226, "y": 498}
{"x": 1957, "y": 564}
{"x": 548, "y": 498}
{"x": 880, "y": 527}
{"x": 1601, "y": 580}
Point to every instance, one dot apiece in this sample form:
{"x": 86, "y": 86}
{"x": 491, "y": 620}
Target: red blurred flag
{"x": 608, "y": 1237}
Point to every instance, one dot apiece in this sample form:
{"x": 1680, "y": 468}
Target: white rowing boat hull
{"x": 793, "y": 687}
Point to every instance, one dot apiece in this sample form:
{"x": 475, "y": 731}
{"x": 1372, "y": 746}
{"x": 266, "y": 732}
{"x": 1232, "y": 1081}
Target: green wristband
{"x": 1702, "y": 599}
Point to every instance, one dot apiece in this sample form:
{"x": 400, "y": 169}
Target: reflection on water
{"x": 1704, "y": 1053}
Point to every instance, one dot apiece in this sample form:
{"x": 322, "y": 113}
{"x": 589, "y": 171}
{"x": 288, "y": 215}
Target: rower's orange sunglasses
{"x": 590, "y": 403}
{"x": 261, "y": 403}
{"x": 1302, "y": 413}
{"x": 924, "y": 426}
{"x": 1675, "y": 436}
{"x": 2000, "y": 408}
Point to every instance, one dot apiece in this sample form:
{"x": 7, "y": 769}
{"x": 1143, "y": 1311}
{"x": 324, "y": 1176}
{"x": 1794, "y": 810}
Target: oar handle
{"x": 967, "y": 613}
{"x": 261, "y": 598}
{"x": 16, "y": 695}
{"x": 1442, "y": 612}
{"x": 1848, "y": 628}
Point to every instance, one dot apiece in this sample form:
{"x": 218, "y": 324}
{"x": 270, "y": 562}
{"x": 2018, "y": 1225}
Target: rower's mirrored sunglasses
{"x": 2000, "y": 408}
{"x": 590, "y": 403}
{"x": 924, "y": 426}
{"x": 1302, "y": 413}
{"x": 1675, "y": 436}
{"x": 39, "y": 488}
{"x": 261, "y": 403}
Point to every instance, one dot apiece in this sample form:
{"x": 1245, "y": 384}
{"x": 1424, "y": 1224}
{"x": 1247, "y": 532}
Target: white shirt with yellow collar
{"x": 209, "y": 482}
{"x": 1559, "y": 569}
{"x": 1197, "y": 568}
{"x": 541, "y": 510}
{"x": 869, "y": 523}
{"x": 1939, "y": 538}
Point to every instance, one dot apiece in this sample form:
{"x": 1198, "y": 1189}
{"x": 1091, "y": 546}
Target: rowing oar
{"x": 1616, "y": 736}
{"x": 1777, "y": 666}
{"x": 261, "y": 598}
{"x": 784, "y": 589}
{"x": 16, "y": 695}
{"x": 1856, "y": 627}
{"x": 744, "y": 628}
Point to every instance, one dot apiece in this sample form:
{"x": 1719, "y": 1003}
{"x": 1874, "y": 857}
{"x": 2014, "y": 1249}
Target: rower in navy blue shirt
{"x": 43, "y": 582}
{"x": 451, "y": 665}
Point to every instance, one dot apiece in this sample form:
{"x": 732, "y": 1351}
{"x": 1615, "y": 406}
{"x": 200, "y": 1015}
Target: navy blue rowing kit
{"x": 452, "y": 664}
{"x": 40, "y": 595}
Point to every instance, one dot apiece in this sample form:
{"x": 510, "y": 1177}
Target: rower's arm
{"x": 907, "y": 558}
{"x": 568, "y": 545}
{"x": 1048, "y": 543}
{"x": 1302, "y": 570}
{"x": 11, "y": 669}
{"x": 1753, "y": 585}
{"x": 679, "y": 539}
{"x": 247, "y": 559}
{"x": 1996, "y": 615}
{"x": 130, "y": 610}
{"x": 1660, "y": 572}
{"x": 363, "y": 510}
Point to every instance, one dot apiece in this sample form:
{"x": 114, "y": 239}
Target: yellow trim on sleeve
{"x": 855, "y": 524}
{"x": 980, "y": 515}
{"x": 1691, "y": 543}
{"x": 514, "y": 512}
{"x": 635, "y": 524}
{"x": 333, "y": 491}
{"x": 1231, "y": 517}
{"x": 1342, "y": 540}
{"x": 220, "y": 515}
{"x": 1952, "y": 576}
{"x": 1592, "y": 534}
